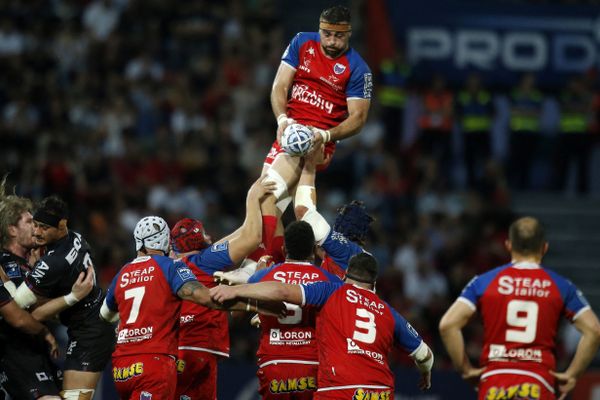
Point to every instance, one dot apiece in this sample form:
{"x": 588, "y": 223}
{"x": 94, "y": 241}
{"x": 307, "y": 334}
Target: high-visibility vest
{"x": 528, "y": 102}
{"x": 393, "y": 78}
{"x": 573, "y": 121}
{"x": 476, "y": 111}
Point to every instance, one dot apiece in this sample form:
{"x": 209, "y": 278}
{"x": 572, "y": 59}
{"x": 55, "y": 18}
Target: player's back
{"x": 202, "y": 328}
{"x": 356, "y": 329}
{"x": 292, "y": 337}
{"x": 521, "y": 305}
{"x": 148, "y": 307}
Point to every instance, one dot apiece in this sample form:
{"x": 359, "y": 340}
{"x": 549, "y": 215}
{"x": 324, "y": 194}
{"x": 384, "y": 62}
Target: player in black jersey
{"x": 67, "y": 254}
{"x": 28, "y": 370}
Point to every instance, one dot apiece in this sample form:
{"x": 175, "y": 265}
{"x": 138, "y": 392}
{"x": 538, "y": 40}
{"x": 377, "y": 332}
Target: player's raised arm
{"x": 249, "y": 236}
{"x": 279, "y": 96}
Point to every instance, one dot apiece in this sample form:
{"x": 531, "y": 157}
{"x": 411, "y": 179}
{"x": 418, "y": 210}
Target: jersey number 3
{"x": 365, "y": 326}
{"x": 137, "y": 294}
{"x": 522, "y": 314}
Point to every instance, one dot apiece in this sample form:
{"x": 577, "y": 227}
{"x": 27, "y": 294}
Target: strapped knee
{"x": 280, "y": 184}
{"x": 77, "y": 394}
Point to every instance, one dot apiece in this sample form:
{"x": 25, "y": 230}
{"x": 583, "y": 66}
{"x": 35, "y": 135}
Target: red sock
{"x": 277, "y": 250}
{"x": 257, "y": 254}
{"x": 268, "y": 231}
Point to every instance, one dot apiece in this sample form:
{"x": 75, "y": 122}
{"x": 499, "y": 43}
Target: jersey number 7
{"x": 137, "y": 294}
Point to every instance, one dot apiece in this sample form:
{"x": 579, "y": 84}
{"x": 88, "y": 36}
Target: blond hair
{"x": 11, "y": 209}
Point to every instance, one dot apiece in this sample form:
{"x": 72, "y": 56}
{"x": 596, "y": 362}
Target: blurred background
{"x": 483, "y": 110}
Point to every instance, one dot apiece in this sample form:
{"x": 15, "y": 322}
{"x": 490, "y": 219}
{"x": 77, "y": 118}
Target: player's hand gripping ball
{"x": 296, "y": 140}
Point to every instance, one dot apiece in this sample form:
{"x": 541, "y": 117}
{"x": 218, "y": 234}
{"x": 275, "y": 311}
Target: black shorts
{"x": 30, "y": 373}
{"x": 90, "y": 346}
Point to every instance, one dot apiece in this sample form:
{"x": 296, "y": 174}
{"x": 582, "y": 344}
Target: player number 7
{"x": 137, "y": 294}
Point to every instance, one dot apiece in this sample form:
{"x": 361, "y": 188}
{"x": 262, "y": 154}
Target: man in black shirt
{"x": 28, "y": 371}
{"x": 67, "y": 254}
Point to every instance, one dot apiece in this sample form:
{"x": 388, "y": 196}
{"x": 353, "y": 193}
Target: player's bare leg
{"x": 79, "y": 385}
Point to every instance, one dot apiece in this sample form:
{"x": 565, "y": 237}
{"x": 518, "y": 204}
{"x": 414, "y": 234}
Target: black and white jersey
{"x": 14, "y": 266}
{"x": 5, "y": 297}
{"x": 54, "y": 274}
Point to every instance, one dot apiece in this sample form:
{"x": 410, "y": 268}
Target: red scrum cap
{"x": 188, "y": 235}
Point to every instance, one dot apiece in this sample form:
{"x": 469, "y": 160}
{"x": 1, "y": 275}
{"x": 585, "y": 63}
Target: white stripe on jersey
{"x": 288, "y": 362}
{"x": 326, "y": 389}
{"x": 219, "y": 353}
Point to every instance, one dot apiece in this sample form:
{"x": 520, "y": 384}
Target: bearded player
{"x": 322, "y": 83}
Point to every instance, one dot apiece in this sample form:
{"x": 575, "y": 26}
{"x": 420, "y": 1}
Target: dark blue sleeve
{"x": 340, "y": 249}
{"x": 291, "y": 53}
{"x": 5, "y": 296}
{"x": 317, "y": 293}
{"x": 213, "y": 259}
{"x": 111, "y": 302}
{"x": 405, "y": 335}
{"x": 573, "y": 299}
{"x": 360, "y": 84}
{"x": 176, "y": 272}
{"x": 259, "y": 275}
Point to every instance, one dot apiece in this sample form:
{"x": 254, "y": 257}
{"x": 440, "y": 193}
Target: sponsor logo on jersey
{"x": 39, "y": 271}
{"x": 125, "y": 373}
{"x": 522, "y": 391}
{"x": 12, "y": 270}
{"x": 180, "y": 364}
{"x": 72, "y": 346}
{"x": 295, "y": 277}
{"x": 412, "y": 330}
{"x": 331, "y": 82}
{"x": 134, "y": 334}
{"x": 367, "y": 85}
{"x": 354, "y": 348}
{"x": 137, "y": 276}
{"x": 290, "y": 385}
{"x": 185, "y": 319}
{"x": 499, "y": 352}
{"x": 304, "y": 94}
{"x": 217, "y": 247}
{"x": 508, "y": 285}
{"x": 338, "y": 237}
{"x": 339, "y": 68}
{"x": 364, "y": 394}
{"x": 304, "y": 68}
{"x": 277, "y": 337}
{"x": 42, "y": 376}
{"x": 145, "y": 395}
{"x": 352, "y": 296}
{"x": 185, "y": 273}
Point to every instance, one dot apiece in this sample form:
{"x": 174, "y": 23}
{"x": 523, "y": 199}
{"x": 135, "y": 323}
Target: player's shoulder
{"x": 560, "y": 280}
{"x": 356, "y": 61}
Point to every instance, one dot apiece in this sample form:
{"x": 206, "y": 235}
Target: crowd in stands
{"x": 133, "y": 107}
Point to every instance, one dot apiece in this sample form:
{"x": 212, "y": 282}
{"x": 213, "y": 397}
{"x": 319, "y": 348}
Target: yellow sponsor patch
{"x": 125, "y": 373}
{"x": 180, "y": 366}
{"x": 524, "y": 391}
{"x": 363, "y": 394}
{"x": 293, "y": 384}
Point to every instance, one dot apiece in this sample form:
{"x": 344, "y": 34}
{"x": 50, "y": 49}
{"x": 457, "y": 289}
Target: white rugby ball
{"x": 296, "y": 139}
